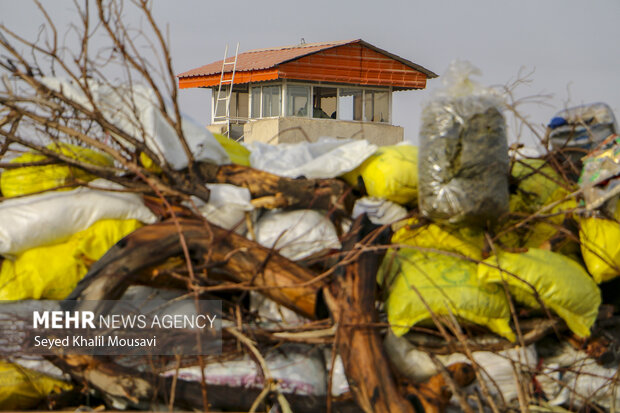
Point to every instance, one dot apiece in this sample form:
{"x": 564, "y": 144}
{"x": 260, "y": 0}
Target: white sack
{"x": 272, "y": 313}
{"x": 380, "y": 211}
{"x": 52, "y": 217}
{"x": 298, "y": 369}
{"x": 326, "y": 158}
{"x": 340, "y": 384}
{"x": 129, "y": 108}
{"x": 40, "y": 365}
{"x": 497, "y": 368}
{"x": 296, "y": 234}
{"x": 226, "y": 207}
{"x": 580, "y": 379}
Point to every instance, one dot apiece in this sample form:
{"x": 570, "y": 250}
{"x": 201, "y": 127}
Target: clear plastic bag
{"x": 463, "y": 156}
{"x": 582, "y": 126}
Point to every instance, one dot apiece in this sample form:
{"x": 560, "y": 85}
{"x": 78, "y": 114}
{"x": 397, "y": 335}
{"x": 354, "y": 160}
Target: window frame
{"x": 339, "y": 86}
{"x": 362, "y": 99}
{"x": 233, "y": 115}
{"x": 285, "y": 84}
{"x": 286, "y": 98}
{"x": 389, "y": 105}
{"x": 253, "y": 96}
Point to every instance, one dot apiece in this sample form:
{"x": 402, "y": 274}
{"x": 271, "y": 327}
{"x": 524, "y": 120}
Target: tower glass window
{"x": 376, "y": 106}
{"x": 272, "y": 100}
{"x": 297, "y": 98}
{"x": 350, "y": 104}
{"x": 324, "y": 102}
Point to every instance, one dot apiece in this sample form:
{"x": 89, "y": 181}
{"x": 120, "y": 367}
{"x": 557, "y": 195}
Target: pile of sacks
{"x": 497, "y": 236}
{"x": 53, "y": 230}
{"x": 475, "y": 229}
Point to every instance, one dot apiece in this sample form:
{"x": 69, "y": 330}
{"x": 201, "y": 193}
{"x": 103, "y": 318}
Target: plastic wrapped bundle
{"x": 577, "y": 131}
{"x": 463, "y": 156}
{"x": 582, "y": 127}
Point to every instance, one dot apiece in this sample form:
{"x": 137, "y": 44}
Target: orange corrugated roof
{"x": 260, "y": 59}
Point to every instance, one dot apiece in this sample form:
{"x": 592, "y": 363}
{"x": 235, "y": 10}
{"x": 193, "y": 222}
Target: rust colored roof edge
{"x": 240, "y": 78}
{"x": 212, "y": 81}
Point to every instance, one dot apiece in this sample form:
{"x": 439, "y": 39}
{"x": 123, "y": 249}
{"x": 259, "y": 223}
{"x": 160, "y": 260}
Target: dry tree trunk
{"x": 272, "y": 191}
{"x": 238, "y": 258}
{"x": 351, "y": 299}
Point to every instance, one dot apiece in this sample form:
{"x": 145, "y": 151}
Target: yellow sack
{"x": 600, "y": 246}
{"x": 149, "y": 164}
{"x": 237, "y": 153}
{"x": 448, "y": 285}
{"x": 22, "y": 389}
{"x": 561, "y": 283}
{"x": 390, "y": 173}
{"x": 31, "y": 179}
{"x": 464, "y": 240}
{"x": 52, "y": 272}
{"x": 538, "y": 186}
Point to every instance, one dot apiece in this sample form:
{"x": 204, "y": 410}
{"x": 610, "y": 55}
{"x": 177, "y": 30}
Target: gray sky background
{"x": 571, "y": 46}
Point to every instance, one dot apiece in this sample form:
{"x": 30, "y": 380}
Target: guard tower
{"x": 294, "y": 93}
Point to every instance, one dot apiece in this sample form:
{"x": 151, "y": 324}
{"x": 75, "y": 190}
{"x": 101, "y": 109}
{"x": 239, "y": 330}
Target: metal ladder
{"x": 224, "y": 80}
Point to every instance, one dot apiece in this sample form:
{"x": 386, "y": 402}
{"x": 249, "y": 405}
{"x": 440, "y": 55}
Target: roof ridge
{"x": 302, "y": 46}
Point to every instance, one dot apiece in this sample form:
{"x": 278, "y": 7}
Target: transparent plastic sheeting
{"x": 122, "y": 327}
{"x": 463, "y": 163}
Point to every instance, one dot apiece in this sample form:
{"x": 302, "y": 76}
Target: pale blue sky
{"x": 572, "y": 46}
